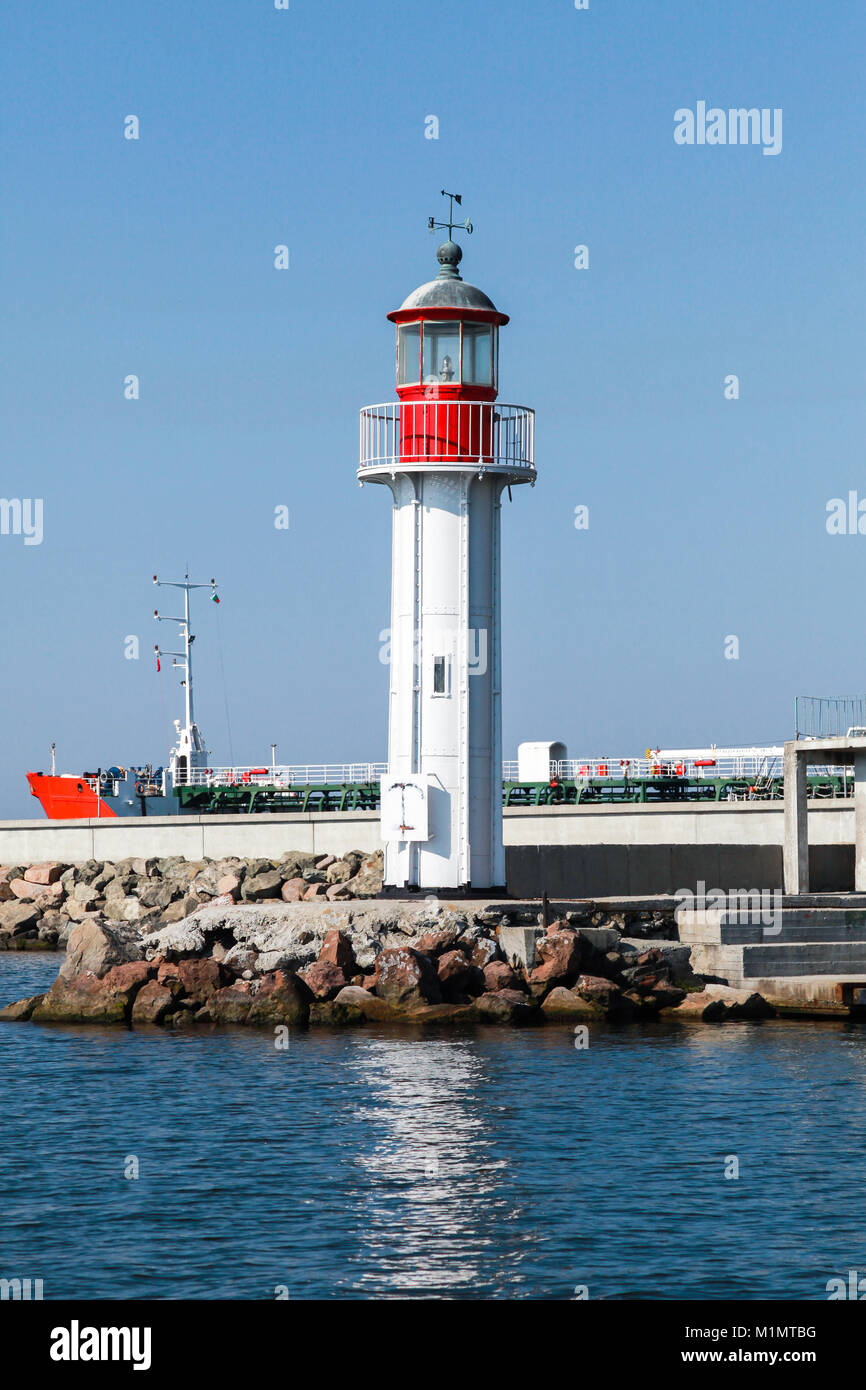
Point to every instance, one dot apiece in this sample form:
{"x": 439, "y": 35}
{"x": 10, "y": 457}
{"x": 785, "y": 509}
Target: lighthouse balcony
{"x": 431, "y": 435}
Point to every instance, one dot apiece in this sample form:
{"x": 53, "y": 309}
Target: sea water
{"x": 658, "y": 1161}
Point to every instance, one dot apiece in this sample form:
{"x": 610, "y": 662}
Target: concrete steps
{"x": 798, "y": 954}
{"x": 788, "y": 925}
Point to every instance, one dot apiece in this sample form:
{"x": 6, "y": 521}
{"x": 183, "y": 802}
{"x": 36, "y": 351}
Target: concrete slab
{"x": 742, "y": 965}
{"x": 518, "y": 944}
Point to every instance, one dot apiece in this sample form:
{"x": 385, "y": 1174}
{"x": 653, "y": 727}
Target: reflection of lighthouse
{"x": 447, "y": 451}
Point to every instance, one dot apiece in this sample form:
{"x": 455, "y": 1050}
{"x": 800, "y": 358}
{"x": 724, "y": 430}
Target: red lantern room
{"x": 447, "y": 382}
{"x": 447, "y": 364}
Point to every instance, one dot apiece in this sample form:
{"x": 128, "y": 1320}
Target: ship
{"x": 189, "y": 784}
{"x": 142, "y": 789}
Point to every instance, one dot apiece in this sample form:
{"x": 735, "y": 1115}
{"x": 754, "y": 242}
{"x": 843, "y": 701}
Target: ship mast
{"x": 190, "y": 751}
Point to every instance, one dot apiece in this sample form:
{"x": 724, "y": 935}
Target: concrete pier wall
{"x": 569, "y": 851}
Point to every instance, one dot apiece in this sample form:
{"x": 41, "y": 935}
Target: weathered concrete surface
{"x": 215, "y": 837}
{"x": 807, "y": 992}
{"x": 193, "y": 837}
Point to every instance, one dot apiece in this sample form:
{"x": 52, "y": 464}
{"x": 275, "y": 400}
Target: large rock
{"x": 96, "y": 947}
{"x": 44, "y": 873}
{"x": 48, "y": 898}
{"x": 159, "y": 893}
{"x": 231, "y": 1004}
{"x": 367, "y": 882}
{"x": 504, "y": 1006}
{"x": 433, "y": 943}
{"x": 241, "y": 958}
{"x": 337, "y": 950}
{"x": 200, "y": 978}
{"x": 664, "y": 996}
{"x": 323, "y": 979}
{"x": 280, "y": 998}
{"x": 338, "y": 892}
{"x": 368, "y": 1005}
{"x": 565, "y": 1003}
{"x": 86, "y": 894}
{"x": 22, "y": 890}
{"x": 20, "y": 1011}
{"x": 152, "y": 1003}
{"x": 405, "y": 977}
{"x": 87, "y": 998}
{"x": 17, "y": 918}
{"x": 228, "y": 884}
{"x": 293, "y": 890}
{"x": 88, "y": 871}
{"x": 518, "y": 945}
{"x": 142, "y": 868}
{"x": 559, "y": 953}
{"x": 499, "y": 975}
{"x": 338, "y": 872}
{"x": 258, "y": 887}
{"x": 700, "y": 1007}
{"x": 741, "y": 1003}
{"x": 484, "y": 951}
{"x": 457, "y": 978}
{"x": 604, "y": 993}
{"x": 181, "y": 909}
{"x": 206, "y": 881}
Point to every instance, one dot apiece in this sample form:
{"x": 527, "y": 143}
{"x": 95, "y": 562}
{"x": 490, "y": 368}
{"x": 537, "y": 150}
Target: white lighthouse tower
{"x": 448, "y": 450}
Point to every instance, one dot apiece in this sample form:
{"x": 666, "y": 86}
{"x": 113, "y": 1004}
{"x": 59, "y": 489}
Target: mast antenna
{"x": 191, "y": 741}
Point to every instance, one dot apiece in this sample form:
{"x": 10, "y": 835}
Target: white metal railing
{"x": 756, "y": 764}
{"x": 435, "y": 431}
{"x": 568, "y": 769}
{"x": 283, "y": 776}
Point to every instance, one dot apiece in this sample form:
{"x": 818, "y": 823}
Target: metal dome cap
{"x": 449, "y": 290}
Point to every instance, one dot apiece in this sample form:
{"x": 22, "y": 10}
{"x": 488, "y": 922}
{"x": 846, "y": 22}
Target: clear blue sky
{"x": 306, "y": 127}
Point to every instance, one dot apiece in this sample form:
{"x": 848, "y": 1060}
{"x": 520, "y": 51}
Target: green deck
{"x": 364, "y": 796}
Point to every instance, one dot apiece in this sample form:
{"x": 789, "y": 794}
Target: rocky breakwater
{"x": 311, "y": 963}
{"x": 40, "y": 904}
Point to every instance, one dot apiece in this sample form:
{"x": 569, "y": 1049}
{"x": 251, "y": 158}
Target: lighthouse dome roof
{"x": 448, "y": 294}
{"x": 448, "y": 290}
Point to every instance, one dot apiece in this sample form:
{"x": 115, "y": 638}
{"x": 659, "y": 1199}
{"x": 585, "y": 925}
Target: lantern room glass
{"x": 478, "y": 354}
{"x": 408, "y": 354}
{"x": 441, "y": 352}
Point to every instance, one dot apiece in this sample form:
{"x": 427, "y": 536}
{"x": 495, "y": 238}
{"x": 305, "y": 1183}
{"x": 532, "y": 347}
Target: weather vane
{"x": 432, "y": 224}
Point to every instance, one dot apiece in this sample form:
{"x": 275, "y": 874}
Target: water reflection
{"x": 435, "y": 1210}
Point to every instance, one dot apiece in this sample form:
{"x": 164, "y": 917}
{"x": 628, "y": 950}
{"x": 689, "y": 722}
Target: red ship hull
{"x": 68, "y": 798}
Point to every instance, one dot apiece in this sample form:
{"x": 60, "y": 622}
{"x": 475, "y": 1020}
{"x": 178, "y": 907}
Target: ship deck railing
{"x": 757, "y": 765}
{"x": 562, "y": 770}
{"x": 300, "y": 775}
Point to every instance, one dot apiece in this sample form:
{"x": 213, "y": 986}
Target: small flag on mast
{"x": 215, "y": 598}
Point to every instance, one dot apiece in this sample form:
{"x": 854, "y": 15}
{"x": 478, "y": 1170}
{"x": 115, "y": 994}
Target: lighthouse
{"x": 449, "y": 451}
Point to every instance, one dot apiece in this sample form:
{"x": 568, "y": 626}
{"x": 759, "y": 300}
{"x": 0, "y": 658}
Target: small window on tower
{"x": 478, "y": 354}
{"x": 408, "y": 354}
{"x": 440, "y": 675}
